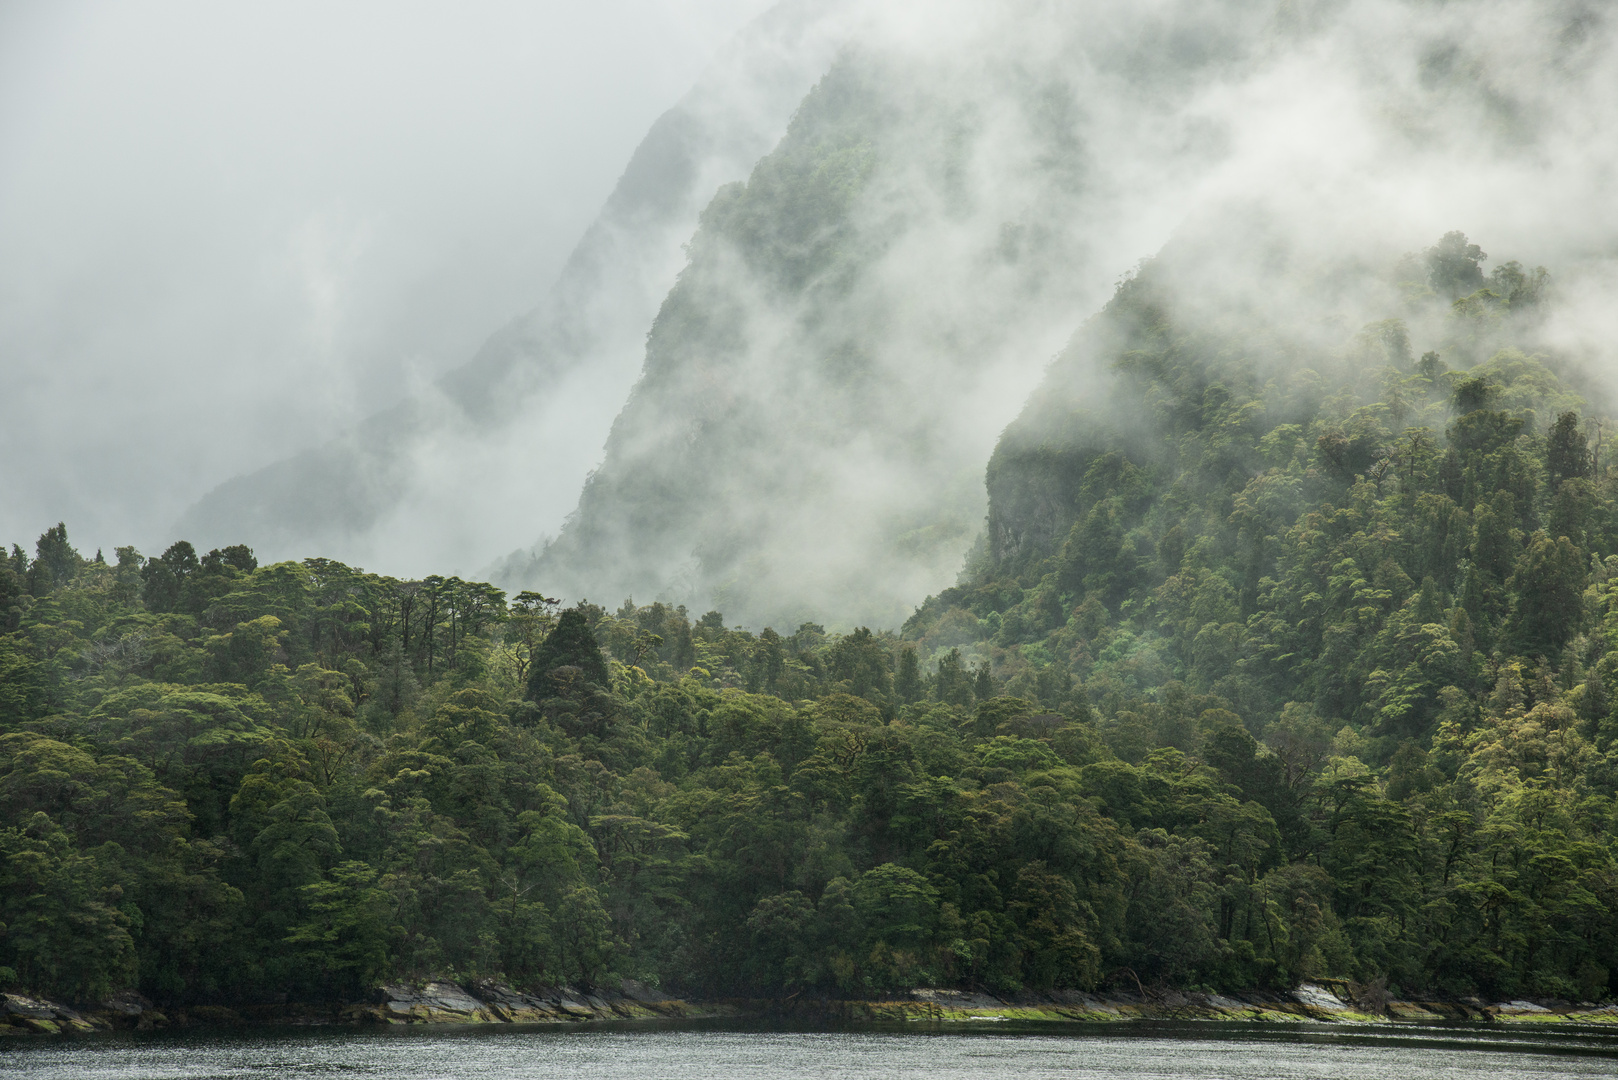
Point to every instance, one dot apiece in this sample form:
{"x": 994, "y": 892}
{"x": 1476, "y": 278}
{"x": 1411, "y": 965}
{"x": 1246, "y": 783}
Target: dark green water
{"x": 967, "y": 1052}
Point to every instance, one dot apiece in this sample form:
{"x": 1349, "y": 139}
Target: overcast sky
{"x": 227, "y": 230}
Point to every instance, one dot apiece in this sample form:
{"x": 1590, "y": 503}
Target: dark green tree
{"x": 907, "y": 685}
{"x": 166, "y": 578}
{"x": 863, "y": 661}
{"x": 954, "y": 684}
{"x": 55, "y": 561}
{"x": 1470, "y": 395}
{"x": 983, "y": 682}
{"x": 1549, "y": 586}
{"x": 1567, "y": 451}
{"x": 1453, "y": 268}
{"x": 570, "y": 644}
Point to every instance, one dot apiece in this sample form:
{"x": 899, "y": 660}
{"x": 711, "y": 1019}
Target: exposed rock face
{"x": 129, "y": 1004}
{"x": 490, "y": 1002}
{"x": 436, "y": 1001}
{"x": 25, "y": 1014}
{"x": 1524, "y": 1007}
{"x": 1330, "y": 1000}
{"x": 1318, "y": 997}
{"x": 495, "y": 1002}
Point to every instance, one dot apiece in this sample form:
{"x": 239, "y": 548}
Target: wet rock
{"x": 958, "y": 999}
{"x": 44, "y": 1016}
{"x": 635, "y": 990}
{"x": 489, "y": 1000}
{"x": 436, "y": 1002}
{"x": 1318, "y": 997}
{"x": 450, "y": 998}
{"x": 29, "y": 1008}
{"x": 515, "y": 1007}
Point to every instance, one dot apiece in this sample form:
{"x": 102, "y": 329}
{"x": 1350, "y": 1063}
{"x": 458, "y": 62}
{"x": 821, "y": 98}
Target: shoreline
{"x": 492, "y": 1003}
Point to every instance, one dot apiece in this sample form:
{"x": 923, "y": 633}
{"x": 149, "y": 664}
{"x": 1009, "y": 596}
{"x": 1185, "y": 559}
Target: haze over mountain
{"x": 1267, "y": 635}
{"x": 230, "y": 232}
{"x": 860, "y": 319}
{"x": 856, "y": 323}
{"x": 500, "y": 445}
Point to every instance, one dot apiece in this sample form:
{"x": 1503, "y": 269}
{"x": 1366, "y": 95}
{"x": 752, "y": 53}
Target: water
{"x": 976, "y": 1052}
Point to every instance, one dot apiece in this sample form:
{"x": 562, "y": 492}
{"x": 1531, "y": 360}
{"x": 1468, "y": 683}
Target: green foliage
{"x": 570, "y": 645}
{"x": 1280, "y": 570}
{"x": 1335, "y": 655}
{"x": 1452, "y": 266}
{"x": 1293, "y": 662}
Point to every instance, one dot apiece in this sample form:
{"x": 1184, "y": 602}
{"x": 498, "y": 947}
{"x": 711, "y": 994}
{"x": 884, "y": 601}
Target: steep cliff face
{"x": 861, "y": 318}
{"x": 497, "y": 448}
{"x": 1275, "y": 471}
{"x": 1235, "y": 329}
{"x": 1035, "y": 474}
{"x": 824, "y": 381}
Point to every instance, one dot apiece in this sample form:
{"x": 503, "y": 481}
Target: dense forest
{"x": 1277, "y": 664}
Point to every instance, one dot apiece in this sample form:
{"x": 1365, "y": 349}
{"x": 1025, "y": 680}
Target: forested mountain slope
{"x": 1284, "y": 653}
{"x": 858, "y": 322}
{"x": 1301, "y": 673}
{"x": 1369, "y": 577}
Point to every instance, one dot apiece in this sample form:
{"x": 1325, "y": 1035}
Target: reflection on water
{"x": 976, "y": 1052}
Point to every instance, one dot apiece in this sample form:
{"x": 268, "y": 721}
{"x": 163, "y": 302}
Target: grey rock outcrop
{"x": 489, "y": 1001}
{"x": 436, "y": 1001}
{"x": 24, "y": 1014}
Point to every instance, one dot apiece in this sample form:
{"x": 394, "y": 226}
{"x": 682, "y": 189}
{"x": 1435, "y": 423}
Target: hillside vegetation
{"x": 854, "y": 324}
{"x": 1284, "y": 655}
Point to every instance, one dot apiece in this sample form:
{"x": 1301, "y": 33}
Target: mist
{"x": 808, "y": 436}
{"x": 838, "y": 256}
{"x": 228, "y": 234}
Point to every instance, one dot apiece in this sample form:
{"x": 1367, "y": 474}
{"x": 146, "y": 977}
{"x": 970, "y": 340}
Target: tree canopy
{"x": 1271, "y": 669}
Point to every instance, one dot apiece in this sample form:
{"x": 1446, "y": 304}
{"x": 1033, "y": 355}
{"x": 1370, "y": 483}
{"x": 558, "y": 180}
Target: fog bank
{"x": 229, "y": 232}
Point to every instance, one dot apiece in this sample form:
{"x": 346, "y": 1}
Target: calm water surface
{"x": 625, "y": 1052}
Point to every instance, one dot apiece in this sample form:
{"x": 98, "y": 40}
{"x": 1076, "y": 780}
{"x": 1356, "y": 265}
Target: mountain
{"x": 1288, "y": 648}
{"x": 859, "y": 320}
{"x": 801, "y": 418}
{"x": 502, "y": 443}
{"x": 1250, "y": 501}
{"x": 1289, "y": 659}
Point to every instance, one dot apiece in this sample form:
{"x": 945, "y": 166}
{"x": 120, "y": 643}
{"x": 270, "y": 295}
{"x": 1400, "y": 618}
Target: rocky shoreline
{"x": 489, "y": 1002}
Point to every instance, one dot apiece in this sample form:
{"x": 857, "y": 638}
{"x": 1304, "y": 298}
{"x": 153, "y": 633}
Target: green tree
{"x": 569, "y": 645}
{"x": 55, "y": 562}
{"x": 1549, "y": 585}
{"x": 65, "y": 932}
{"x": 954, "y": 684}
{"x": 343, "y": 942}
{"x": 907, "y": 685}
{"x": 1453, "y": 266}
{"x": 1567, "y": 451}
{"x": 863, "y": 661}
